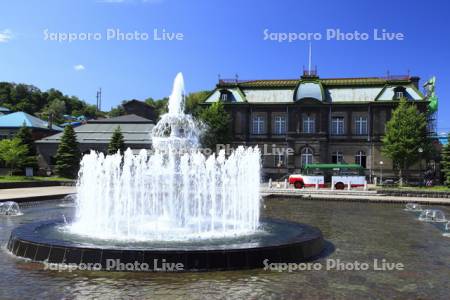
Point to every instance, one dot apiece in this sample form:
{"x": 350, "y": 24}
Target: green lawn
{"x": 437, "y": 188}
{"x": 28, "y": 179}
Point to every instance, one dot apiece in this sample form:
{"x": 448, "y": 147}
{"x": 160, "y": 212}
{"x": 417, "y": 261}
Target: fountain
{"x": 174, "y": 204}
{"x": 447, "y": 229}
{"x": 10, "y": 208}
{"x": 432, "y": 215}
{"x": 413, "y": 207}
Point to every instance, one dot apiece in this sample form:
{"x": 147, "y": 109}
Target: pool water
{"x": 361, "y": 232}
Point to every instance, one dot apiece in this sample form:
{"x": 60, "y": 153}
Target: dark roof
{"x": 134, "y": 119}
{"x": 292, "y": 83}
{"x": 135, "y": 101}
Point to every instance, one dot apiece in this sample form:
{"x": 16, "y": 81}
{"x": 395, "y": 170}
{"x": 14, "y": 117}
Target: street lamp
{"x": 420, "y": 150}
{"x": 279, "y": 166}
{"x": 381, "y": 172}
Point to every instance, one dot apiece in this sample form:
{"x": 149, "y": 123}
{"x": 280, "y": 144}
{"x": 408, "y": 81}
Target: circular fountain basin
{"x": 276, "y": 241}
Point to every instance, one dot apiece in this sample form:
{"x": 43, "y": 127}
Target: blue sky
{"x": 219, "y": 37}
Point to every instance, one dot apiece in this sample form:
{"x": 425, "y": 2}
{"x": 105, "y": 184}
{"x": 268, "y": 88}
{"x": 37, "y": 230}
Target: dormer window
{"x": 226, "y": 96}
{"x": 399, "y": 93}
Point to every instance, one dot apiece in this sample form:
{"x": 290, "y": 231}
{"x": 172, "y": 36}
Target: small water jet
{"x": 413, "y": 207}
{"x": 68, "y": 201}
{"x": 10, "y": 208}
{"x": 432, "y": 215}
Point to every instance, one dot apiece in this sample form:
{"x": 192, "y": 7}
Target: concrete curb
{"x": 356, "y": 198}
{"x": 31, "y": 184}
{"x": 36, "y": 198}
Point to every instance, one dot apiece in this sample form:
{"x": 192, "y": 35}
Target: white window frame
{"x": 399, "y": 95}
{"x": 361, "y": 125}
{"x": 358, "y": 157}
{"x": 339, "y": 157}
{"x": 309, "y": 124}
{"x": 258, "y": 124}
{"x": 280, "y": 125}
{"x": 306, "y": 156}
{"x": 224, "y": 96}
{"x": 337, "y": 125}
{"x": 280, "y": 157}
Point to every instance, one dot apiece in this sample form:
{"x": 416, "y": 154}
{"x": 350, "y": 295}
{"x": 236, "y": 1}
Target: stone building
{"x": 323, "y": 120}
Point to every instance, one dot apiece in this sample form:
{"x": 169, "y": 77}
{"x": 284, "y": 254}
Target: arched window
{"x": 360, "y": 158}
{"x": 337, "y": 157}
{"x": 306, "y": 156}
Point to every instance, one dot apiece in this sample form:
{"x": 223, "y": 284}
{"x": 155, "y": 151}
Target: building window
{"x": 280, "y": 124}
{"x": 224, "y": 96}
{"x": 306, "y": 156}
{"x": 309, "y": 124}
{"x": 399, "y": 92}
{"x": 360, "y": 158}
{"x": 280, "y": 160}
{"x": 337, "y": 125}
{"x": 258, "y": 125}
{"x": 337, "y": 157}
{"x": 361, "y": 125}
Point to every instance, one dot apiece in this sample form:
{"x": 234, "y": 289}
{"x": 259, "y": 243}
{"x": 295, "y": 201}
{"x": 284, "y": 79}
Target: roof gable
{"x": 101, "y": 133}
{"x": 360, "y": 89}
{"x": 17, "y": 119}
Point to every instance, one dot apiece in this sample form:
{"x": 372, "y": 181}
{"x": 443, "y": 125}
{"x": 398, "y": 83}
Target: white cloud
{"x": 5, "y": 35}
{"x": 79, "y": 67}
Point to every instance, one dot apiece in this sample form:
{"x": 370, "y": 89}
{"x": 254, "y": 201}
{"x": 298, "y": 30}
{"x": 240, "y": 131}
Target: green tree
{"x": 193, "y": 101}
{"x": 68, "y": 155}
{"x": 117, "y": 142}
{"x": 405, "y": 135}
{"x": 445, "y": 163}
{"x": 117, "y": 111}
{"x": 25, "y": 136}
{"x": 218, "y": 125}
{"x": 12, "y": 153}
{"x": 28, "y": 98}
{"x": 159, "y": 105}
{"x": 57, "y": 108}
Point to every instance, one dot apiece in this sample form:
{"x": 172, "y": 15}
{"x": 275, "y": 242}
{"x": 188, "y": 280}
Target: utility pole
{"x": 99, "y": 99}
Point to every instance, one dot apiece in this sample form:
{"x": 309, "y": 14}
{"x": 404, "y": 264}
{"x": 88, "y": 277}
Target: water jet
{"x": 173, "y": 204}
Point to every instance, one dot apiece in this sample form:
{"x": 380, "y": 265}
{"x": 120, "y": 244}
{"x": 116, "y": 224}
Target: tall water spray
{"x": 175, "y": 193}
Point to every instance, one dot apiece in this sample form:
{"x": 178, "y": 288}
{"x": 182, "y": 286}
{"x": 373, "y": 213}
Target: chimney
{"x": 415, "y": 81}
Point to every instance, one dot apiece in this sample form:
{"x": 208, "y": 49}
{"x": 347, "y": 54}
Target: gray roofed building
{"x": 96, "y": 135}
